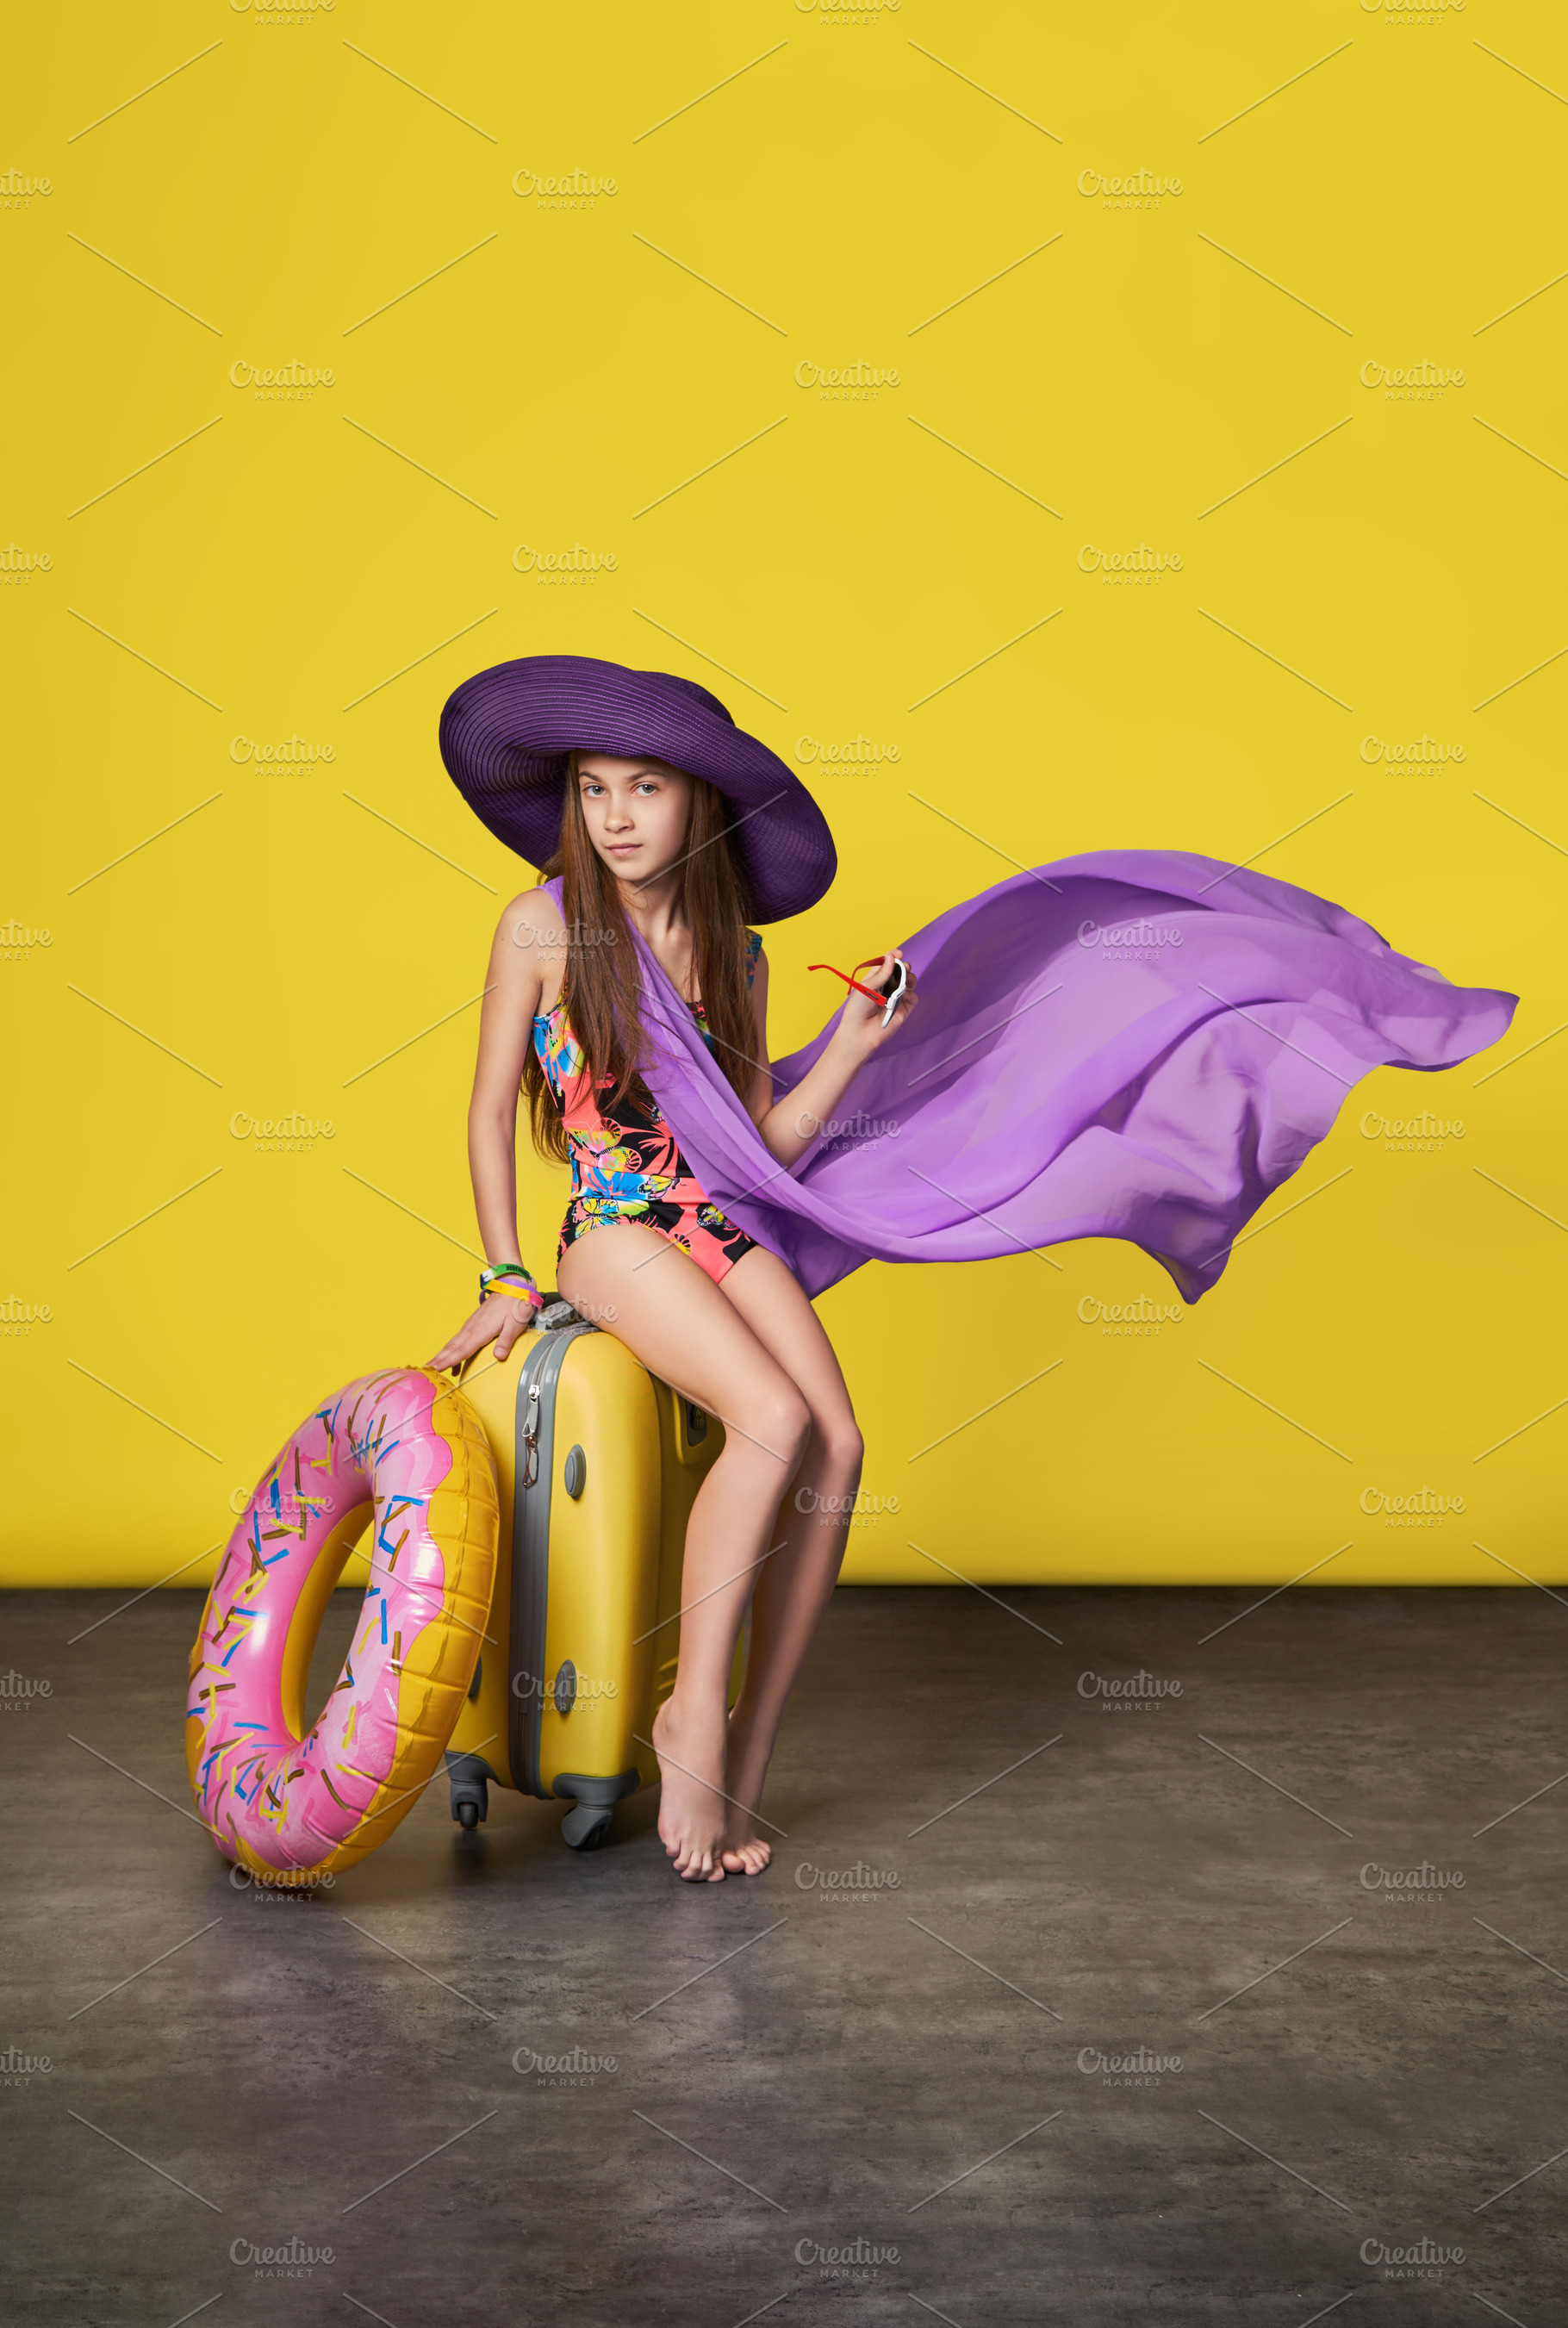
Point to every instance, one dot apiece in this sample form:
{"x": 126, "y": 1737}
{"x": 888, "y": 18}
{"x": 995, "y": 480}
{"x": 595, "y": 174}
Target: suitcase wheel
{"x": 470, "y": 1794}
{"x": 586, "y": 1825}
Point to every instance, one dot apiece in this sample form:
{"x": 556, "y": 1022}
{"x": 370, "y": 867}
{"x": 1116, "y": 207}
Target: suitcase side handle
{"x": 556, "y": 1313}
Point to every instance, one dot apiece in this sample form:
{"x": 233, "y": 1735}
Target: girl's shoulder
{"x": 531, "y": 946}
{"x": 533, "y": 917}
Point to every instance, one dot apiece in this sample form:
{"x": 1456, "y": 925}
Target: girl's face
{"x": 637, "y": 812}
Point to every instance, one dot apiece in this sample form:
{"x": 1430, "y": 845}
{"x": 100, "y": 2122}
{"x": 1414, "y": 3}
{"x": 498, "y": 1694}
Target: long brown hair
{"x": 602, "y": 986}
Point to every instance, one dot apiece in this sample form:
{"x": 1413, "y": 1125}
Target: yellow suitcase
{"x": 599, "y": 1463}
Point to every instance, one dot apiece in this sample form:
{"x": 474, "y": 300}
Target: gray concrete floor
{"x": 343, "y": 2072}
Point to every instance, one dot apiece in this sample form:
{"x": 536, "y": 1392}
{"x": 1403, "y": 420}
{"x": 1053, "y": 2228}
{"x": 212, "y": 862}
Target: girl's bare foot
{"x": 691, "y": 1805}
{"x": 743, "y": 1852}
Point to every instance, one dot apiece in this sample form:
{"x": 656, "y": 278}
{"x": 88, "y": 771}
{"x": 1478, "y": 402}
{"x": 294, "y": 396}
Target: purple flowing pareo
{"x": 1136, "y": 1042}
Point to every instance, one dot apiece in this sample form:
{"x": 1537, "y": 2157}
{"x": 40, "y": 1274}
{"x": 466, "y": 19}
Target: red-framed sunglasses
{"x": 891, "y": 997}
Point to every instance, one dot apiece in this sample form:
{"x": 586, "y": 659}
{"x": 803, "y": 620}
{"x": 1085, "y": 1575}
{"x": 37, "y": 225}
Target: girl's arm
{"x": 530, "y": 942}
{"x": 790, "y": 1125}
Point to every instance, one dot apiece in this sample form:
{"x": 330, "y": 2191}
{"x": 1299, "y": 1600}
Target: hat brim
{"x": 506, "y": 732}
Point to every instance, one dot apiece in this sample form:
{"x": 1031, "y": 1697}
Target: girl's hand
{"x": 861, "y": 1028}
{"x": 500, "y": 1321}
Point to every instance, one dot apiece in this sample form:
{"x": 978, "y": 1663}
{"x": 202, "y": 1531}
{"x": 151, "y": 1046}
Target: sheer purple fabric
{"x": 1137, "y": 1043}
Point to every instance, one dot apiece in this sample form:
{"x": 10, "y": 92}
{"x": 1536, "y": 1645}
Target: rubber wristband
{"x": 515, "y": 1281}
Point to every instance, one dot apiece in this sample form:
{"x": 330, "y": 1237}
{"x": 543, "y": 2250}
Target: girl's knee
{"x": 837, "y": 1445}
{"x": 786, "y": 1427}
{"x": 840, "y": 1444}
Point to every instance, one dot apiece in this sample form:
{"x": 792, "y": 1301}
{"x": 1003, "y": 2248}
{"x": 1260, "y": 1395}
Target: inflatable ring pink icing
{"x": 407, "y": 1444}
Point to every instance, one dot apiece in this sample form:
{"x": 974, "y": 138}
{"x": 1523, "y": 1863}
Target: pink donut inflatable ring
{"x": 407, "y": 1445}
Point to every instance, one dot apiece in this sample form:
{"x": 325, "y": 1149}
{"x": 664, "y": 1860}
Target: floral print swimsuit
{"x": 628, "y": 1167}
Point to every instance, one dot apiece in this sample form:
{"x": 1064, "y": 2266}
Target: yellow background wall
{"x": 327, "y": 565}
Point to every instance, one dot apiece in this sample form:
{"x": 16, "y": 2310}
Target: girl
{"x": 1140, "y": 1044}
{"x": 696, "y": 1300}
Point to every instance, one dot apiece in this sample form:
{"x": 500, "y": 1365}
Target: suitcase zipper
{"x": 535, "y": 1426}
{"x": 530, "y": 1438}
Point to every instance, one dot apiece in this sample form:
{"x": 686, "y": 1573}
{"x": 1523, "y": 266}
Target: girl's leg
{"x": 794, "y": 1585}
{"x": 675, "y": 1320}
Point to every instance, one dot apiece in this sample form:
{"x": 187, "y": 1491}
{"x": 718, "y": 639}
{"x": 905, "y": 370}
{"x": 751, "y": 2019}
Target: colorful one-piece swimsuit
{"x": 628, "y": 1165}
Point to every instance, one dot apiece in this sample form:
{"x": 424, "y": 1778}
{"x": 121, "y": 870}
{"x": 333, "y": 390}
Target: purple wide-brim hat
{"x": 506, "y": 732}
